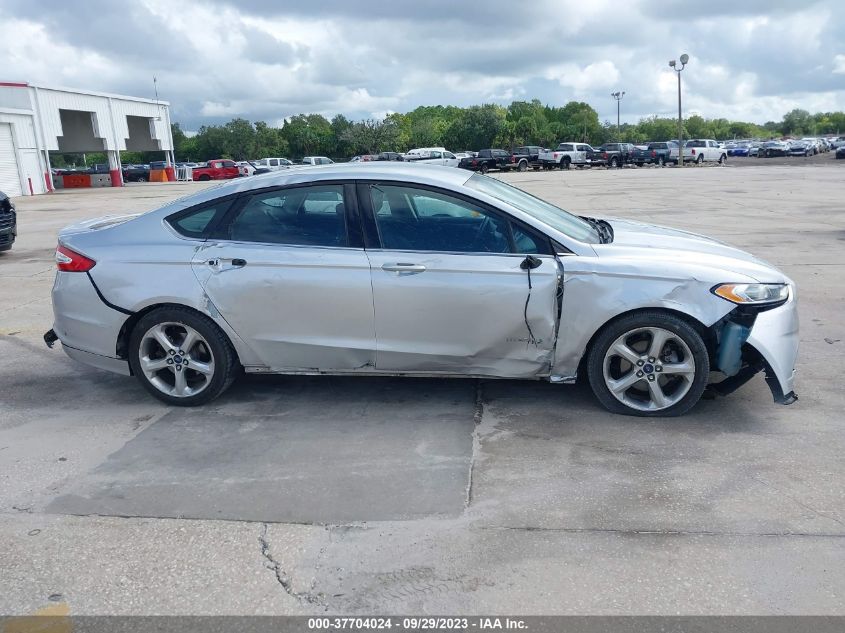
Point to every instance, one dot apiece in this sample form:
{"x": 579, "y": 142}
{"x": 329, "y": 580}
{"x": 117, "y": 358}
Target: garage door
{"x": 10, "y": 183}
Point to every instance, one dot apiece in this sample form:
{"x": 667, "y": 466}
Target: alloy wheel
{"x": 649, "y": 369}
{"x": 176, "y": 359}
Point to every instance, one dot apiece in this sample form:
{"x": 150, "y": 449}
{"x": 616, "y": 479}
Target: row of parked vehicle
{"x": 790, "y": 147}
{"x": 565, "y": 155}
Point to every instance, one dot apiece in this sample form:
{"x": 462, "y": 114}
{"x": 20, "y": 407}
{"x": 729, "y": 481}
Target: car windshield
{"x": 547, "y": 213}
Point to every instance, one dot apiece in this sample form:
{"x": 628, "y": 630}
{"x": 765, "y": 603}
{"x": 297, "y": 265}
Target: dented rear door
{"x": 287, "y": 275}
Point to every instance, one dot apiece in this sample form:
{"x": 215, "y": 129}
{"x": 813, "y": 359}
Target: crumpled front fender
{"x": 775, "y": 337}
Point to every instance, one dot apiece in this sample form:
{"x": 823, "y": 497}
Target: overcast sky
{"x": 266, "y": 60}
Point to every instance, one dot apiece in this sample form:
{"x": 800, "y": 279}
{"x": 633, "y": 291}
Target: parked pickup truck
{"x": 614, "y": 155}
{"x": 566, "y": 154}
{"x": 527, "y": 156}
{"x": 657, "y": 153}
{"x": 486, "y": 160}
{"x": 432, "y": 157}
{"x": 218, "y": 169}
{"x": 136, "y": 173}
{"x": 700, "y": 151}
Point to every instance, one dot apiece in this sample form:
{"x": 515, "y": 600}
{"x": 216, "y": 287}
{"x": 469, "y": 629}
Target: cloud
{"x": 265, "y": 60}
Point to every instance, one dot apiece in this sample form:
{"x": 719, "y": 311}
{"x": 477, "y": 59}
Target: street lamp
{"x": 618, "y": 96}
{"x": 675, "y": 66}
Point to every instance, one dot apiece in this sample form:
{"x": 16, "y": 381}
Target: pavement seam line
{"x": 633, "y": 532}
{"x": 281, "y": 577}
{"x": 476, "y": 440}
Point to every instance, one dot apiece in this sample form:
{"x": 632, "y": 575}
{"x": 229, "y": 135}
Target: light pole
{"x": 674, "y": 65}
{"x": 618, "y": 96}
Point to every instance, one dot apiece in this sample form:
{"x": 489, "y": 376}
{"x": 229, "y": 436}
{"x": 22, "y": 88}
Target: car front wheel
{"x": 181, "y": 356}
{"x": 648, "y": 364}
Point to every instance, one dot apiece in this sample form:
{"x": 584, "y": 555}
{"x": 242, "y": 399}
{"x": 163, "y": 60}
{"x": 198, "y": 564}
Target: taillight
{"x": 653, "y": 153}
{"x": 513, "y": 159}
{"x": 72, "y": 262}
{"x": 693, "y": 151}
{"x": 474, "y": 162}
{"x": 604, "y": 155}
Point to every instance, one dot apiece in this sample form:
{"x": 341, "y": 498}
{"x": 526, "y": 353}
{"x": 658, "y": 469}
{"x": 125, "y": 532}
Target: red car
{"x": 217, "y": 169}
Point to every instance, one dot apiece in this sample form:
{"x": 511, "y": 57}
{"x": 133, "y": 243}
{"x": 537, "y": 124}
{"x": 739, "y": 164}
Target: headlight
{"x": 754, "y": 294}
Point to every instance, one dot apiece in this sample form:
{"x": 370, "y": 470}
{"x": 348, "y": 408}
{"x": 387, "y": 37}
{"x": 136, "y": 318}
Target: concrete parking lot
{"x": 365, "y": 495}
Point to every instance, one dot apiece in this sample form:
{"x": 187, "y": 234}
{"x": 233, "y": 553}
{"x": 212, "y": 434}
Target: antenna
{"x": 155, "y": 88}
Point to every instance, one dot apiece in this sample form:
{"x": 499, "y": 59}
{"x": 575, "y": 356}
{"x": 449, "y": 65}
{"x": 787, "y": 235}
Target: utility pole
{"x": 675, "y": 66}
{"x": 618, "y": 96}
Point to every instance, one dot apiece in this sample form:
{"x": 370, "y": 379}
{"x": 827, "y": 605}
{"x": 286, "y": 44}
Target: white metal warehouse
{"x": 36, "y": 121}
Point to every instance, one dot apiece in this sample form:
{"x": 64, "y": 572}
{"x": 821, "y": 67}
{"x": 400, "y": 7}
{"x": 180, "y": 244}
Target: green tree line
{"x": 471, "y": 128}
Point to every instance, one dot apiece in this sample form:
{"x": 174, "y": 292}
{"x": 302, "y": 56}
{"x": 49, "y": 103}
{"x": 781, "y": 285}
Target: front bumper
{"x": 775, "y": 337}
{"x": 8, "y": 229}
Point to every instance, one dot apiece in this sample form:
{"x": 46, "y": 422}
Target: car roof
{"x": 434, "y": 175}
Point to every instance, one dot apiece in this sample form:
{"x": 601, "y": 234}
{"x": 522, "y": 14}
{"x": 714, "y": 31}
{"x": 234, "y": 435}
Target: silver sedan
{"x": 404, "y": 269}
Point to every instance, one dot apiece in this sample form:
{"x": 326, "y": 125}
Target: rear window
{"x": 197, "y": 222}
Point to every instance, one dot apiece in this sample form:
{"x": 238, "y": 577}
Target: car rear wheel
{"x": 723, "y": 159}
{"x": 142, "y": 179}
{"x": 204, "y": 177}
{"x": 662, "y": 161}
{"x": 523, "y": 165}
{"x": 484, "y": 168}
{"x": 648, "y": 364}
{"x": 181, "y": 357}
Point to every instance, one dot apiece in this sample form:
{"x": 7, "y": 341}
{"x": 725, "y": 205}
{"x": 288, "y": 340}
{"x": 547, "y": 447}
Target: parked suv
{"x": 8, "y": 223}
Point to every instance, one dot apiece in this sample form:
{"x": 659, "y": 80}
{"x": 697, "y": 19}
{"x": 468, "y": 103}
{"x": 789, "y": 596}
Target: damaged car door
{"x": 287, "y": 270}
{"x": 458, "y": 287}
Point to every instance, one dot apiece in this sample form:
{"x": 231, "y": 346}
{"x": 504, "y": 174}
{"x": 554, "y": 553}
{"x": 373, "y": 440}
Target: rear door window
{"x": 297, "y": 216}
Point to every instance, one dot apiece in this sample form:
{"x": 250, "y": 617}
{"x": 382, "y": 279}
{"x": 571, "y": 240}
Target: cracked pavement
{"x": 298, "y": 495}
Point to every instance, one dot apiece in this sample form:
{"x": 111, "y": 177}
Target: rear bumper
{"x": 115, "y": 365}
{"x": 775, "y": 337}
{"x": 86, "y": 326}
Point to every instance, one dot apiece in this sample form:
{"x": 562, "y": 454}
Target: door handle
{"x": 402, "y": 267}
{"x": 220, "y": 262}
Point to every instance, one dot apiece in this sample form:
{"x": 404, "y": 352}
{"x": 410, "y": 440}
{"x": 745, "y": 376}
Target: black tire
{"x": 723, "y": 159}
{"x": 640, "y": 164}
{"x": 565, "y": 162}
{"x": 700, "y": 159}
{"x": 141, "y": 179}
{"x": 226, "y": 366}
{"x": 661, "y": 161}
{"x": 612, "y": 163}
{"x": 648, "y": 318}
{"x": 205, "y": 177}
{"x": 484, "y": 168}
{"x": 523, "y": 165}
